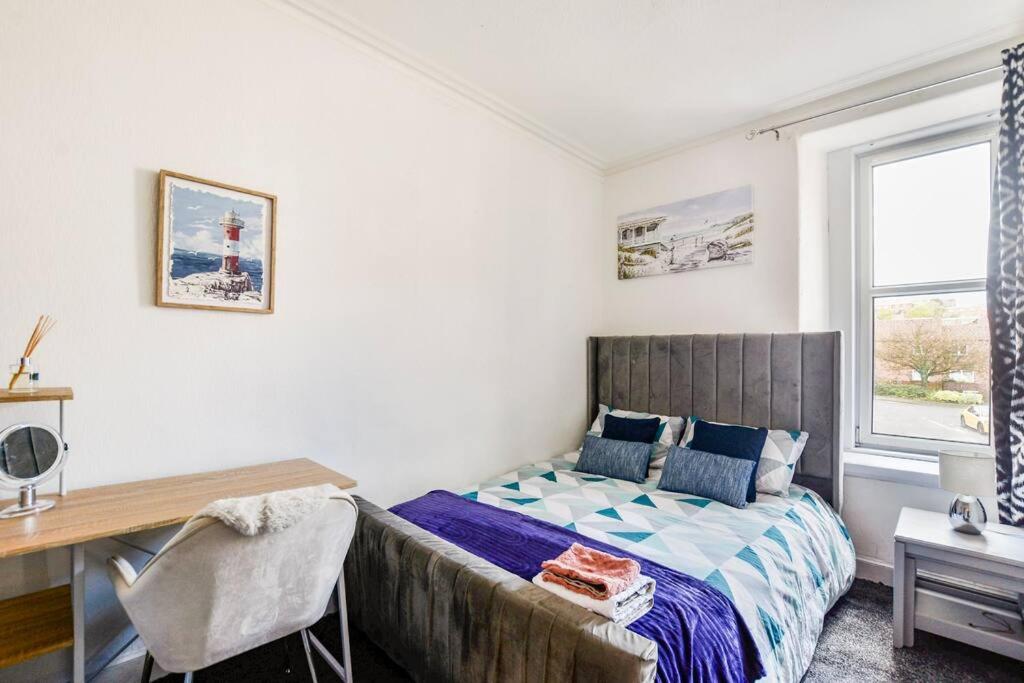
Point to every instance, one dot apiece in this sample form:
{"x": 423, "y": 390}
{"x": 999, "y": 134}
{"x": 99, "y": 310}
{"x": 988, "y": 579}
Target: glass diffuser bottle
{"x": 24, "y": 375}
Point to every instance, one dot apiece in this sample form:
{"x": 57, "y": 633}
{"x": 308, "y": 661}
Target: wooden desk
{"x": 105, "y": 511}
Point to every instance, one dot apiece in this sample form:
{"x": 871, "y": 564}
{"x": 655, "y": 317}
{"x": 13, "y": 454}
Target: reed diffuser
{"x": 24, "y": 374}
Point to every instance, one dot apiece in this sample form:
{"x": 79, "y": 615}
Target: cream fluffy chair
{"x": 214, "y": 592}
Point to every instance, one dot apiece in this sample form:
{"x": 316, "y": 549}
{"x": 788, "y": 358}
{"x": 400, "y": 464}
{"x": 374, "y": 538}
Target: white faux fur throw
{"x": 271, "y": 512}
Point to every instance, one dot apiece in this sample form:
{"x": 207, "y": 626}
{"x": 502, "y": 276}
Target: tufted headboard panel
{"x": 781, "y": 381}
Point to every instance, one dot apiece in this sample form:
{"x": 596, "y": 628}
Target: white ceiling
{"x": 618, "y": 79}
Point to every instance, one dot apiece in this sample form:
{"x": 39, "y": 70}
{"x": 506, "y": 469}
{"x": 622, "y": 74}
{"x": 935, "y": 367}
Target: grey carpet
{"x": 856, "y": 645}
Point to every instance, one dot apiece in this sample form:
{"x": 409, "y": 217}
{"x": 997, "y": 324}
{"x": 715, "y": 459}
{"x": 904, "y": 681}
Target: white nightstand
{"x": 926, "y": 543}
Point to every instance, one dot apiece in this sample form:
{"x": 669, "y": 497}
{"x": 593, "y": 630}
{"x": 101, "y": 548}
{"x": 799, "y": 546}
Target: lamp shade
{"x": 967, "y": 473}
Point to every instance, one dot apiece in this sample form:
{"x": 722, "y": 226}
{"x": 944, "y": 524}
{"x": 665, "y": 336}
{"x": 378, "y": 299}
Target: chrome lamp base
{"x": 967, "y": 515}
{"x": 27, "y": 504}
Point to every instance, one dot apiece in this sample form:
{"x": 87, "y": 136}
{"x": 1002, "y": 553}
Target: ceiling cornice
{"x": 821, "y": 98}
{"x": 371, "y": 42}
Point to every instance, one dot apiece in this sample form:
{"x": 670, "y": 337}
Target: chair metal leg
{"x": 309, "y": 655}
{"x": 147, "y": 667}
{"x": 188, "y": 677}
{"x": 346, "y": 652}
{"x": 329, "y": 658}
{"x": 344, "y": 671}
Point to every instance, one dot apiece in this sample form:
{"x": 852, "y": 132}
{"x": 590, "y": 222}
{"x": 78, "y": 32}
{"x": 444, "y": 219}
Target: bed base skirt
{"x": 444, "y": 614}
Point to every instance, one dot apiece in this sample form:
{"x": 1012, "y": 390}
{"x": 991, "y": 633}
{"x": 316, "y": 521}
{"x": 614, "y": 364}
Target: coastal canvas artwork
{"x": 703, "y": 232}
{"x": 216, "y": 245}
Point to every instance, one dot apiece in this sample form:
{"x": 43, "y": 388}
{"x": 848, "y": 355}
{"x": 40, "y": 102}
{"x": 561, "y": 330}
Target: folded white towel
{"x": 624, "y": 608}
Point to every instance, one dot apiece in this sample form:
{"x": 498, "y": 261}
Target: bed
{"x": 446, "y": 614}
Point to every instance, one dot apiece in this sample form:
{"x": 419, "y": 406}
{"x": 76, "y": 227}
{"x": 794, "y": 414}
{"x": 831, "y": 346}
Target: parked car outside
{"x": 976, "y": 418}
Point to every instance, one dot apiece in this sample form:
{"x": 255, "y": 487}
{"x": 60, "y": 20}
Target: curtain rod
{"x": 754, "y": 132}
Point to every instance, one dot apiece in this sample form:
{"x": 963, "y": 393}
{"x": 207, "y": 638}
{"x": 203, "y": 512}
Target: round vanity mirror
{"x": 30, "y": 454}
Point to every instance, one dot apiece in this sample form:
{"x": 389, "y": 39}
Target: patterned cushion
{"x": 625, "y": 460}
{"x": 708, "y": 475}
{"x": 668, "y": 436}
{"x": 782, "y": 450}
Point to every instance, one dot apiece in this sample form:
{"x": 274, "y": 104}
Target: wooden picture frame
{"x": 205, "y": 258}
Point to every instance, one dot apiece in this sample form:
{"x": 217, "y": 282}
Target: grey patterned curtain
{"x": 1006, "y": 295}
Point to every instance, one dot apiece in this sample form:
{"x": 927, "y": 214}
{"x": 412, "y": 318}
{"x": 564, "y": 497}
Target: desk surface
{"x": 104, "y": 511}
{"x": 43, "y": 394}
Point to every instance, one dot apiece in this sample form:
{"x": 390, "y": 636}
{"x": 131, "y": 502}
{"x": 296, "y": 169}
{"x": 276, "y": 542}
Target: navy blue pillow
{"x": 642, "y": 430}
{"x": 732, "y": 440}
{"x": 616, "y": 459}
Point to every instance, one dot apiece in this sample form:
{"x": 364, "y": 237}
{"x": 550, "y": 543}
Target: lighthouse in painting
{"x": 231, "y": 224}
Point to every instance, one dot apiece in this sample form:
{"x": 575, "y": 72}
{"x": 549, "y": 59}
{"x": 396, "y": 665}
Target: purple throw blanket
{"x": 699, "y": 633}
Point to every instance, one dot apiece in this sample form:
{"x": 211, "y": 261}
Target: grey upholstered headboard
{"x": 781, "y": 381}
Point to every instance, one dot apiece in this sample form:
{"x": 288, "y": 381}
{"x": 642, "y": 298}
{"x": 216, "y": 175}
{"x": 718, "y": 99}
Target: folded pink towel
{"x": 591, "y": 572}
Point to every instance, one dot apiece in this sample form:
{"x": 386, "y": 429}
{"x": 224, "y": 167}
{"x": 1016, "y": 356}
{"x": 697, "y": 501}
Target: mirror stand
{"x": 27, "y": 504}
{"x": 30, "y": 455}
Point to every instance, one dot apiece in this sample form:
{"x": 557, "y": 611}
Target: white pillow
{"x": 778, "y": 461}
{"x": 668, "y": 434}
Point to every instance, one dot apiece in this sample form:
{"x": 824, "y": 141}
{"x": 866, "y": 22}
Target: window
{"x": 922, "y": 326}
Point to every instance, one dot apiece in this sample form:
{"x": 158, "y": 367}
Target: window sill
{"x": 892, "y": 468}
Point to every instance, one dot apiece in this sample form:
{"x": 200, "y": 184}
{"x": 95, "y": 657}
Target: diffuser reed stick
{"x": 43, "y": 326}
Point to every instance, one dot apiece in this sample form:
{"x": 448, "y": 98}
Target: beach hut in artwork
{"x": 641, "y": 232}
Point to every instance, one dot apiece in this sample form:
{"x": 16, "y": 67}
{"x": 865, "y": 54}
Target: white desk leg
{"x": 60, "y": 430}
{"x": 78, "y": 612}
{"x": 909, "y": 600}
{"x": 898, "y": 591}
{"x": 904, "y": 578}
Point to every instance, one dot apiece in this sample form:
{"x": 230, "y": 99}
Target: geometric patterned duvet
{"x": 782, "y": 561}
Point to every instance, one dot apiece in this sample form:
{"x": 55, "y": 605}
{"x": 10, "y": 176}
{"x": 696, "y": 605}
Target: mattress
{"x": 783, "y": 562}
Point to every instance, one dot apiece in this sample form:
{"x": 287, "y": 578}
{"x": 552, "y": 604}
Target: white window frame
{"x": 866, "y": 291}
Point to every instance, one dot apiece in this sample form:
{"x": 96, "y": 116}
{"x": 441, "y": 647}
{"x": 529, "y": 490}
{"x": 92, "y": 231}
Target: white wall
{"x": 433, "y": 263}
{"x": 796, "y": 252}
{"x": 758, "y": 297}
{"x": 436, "y": 266}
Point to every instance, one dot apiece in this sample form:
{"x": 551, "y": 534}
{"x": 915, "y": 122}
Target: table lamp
{"x": 969, "y": 475}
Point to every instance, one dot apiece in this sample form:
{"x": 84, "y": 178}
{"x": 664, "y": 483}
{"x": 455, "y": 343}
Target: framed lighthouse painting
{"x": 215, "y": 248}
